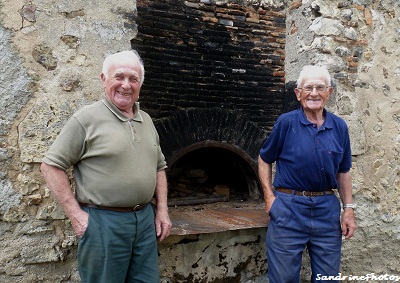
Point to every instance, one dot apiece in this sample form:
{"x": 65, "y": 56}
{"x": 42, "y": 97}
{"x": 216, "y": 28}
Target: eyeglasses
{"x": 310, "y": 88}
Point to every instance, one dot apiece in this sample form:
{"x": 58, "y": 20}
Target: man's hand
{"x": 268, "y": 203}
{"x": 265, "y": 175}
{"x": 345, "y": 191}
{"x": 163, "y": 224}
{"x": 348, "y": 223}
{"x": 80, "y": 222}
{"x": 58, "y": 183}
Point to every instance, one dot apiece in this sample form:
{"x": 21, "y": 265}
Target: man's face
{"x": 313, "y": 94}
{"x": 122, "y": 85}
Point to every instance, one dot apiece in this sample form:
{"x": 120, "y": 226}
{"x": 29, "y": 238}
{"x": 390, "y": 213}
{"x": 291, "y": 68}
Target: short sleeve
{"x": 69, "y": 146}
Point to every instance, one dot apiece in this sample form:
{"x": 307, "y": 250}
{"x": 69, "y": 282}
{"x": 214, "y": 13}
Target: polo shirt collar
{"x": 114, "y": 109}
{"x": 328, "y": 123}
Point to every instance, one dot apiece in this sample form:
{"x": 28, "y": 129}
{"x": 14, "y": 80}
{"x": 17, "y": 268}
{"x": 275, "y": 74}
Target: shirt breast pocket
{"x": 333, "y": 160}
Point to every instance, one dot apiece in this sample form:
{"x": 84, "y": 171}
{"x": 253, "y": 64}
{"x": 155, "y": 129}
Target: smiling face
{"x": 122, "y": 84}
{"x": 313, "y": 94}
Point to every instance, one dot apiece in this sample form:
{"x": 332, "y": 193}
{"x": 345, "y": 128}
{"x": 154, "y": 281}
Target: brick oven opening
{"x": 213, "y": 187}
{"x": 213, "y": 183}
{"x": 211, "y": 174}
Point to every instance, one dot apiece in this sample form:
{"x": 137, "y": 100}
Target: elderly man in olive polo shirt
{"x": 119, "y": 167}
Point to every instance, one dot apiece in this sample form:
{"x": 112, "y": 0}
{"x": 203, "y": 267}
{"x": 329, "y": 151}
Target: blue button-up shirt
{"x": 307, "y": 157}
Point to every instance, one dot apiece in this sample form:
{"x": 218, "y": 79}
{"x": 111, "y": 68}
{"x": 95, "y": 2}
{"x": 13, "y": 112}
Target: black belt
{"x": 118, "y": 209}
{"x": 305, "y": 193}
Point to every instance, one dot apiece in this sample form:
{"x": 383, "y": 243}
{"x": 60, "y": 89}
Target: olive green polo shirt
{"x": 115, "y": 158}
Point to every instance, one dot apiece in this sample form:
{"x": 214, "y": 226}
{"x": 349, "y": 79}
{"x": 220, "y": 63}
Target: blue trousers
{"x": 297, "y": 222}
{"x": 119, "y": 247}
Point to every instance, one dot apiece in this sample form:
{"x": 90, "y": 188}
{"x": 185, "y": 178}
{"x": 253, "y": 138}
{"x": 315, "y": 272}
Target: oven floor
{"x": 217, "y": 217}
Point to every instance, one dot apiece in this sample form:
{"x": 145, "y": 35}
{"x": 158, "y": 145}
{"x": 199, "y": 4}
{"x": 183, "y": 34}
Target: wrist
{"x": 349, "y": 205}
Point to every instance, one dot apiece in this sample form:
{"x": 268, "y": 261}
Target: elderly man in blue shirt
{"x": 311, "y": 148}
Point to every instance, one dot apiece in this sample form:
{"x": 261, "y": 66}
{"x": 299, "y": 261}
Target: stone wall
{"x": 51, "y": 52}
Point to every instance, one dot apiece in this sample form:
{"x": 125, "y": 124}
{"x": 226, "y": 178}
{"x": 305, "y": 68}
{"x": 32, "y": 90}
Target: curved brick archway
{"x": 188, "y": 127}
{"x": 225, "y": 132}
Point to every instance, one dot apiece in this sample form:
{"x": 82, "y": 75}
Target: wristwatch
{"x": 349, "y": 205}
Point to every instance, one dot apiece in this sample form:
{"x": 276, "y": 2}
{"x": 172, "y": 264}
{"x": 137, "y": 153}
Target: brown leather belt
{"x": 305, "y": 193}
{"x": 117, "y": 209}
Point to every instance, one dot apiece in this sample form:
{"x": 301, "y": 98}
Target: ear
{"x": 298, "y": 93}
{"x": 330, "y": 91}
{"x": 103, "y": 79}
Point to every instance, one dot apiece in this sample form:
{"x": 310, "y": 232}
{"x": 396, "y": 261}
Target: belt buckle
{"x": 312, "y": 194}
{"x": 136, "y": 207}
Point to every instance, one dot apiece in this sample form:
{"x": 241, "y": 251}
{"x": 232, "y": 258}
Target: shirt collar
{"x": 326, "y": 125}
{"x": 114, "y": 109}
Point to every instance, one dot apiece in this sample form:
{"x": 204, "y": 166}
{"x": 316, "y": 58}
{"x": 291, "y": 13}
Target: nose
{"x": 125, "y": 83}
{"x": 314, "y": 90}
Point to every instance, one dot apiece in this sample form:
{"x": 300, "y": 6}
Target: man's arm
{"x": 348, "y": 222}
{"x": 163, "y": 223}
{"x": 265, "y": 176}
{"x": 58, "y": 183}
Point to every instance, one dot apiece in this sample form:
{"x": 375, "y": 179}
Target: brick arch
{"x": 210, "y": 127}
{"x": 195, "y": 129}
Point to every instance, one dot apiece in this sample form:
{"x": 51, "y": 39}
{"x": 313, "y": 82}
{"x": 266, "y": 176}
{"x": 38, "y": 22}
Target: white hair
{"x": 123, "y": 56}
{"x": 312, "y": 71}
